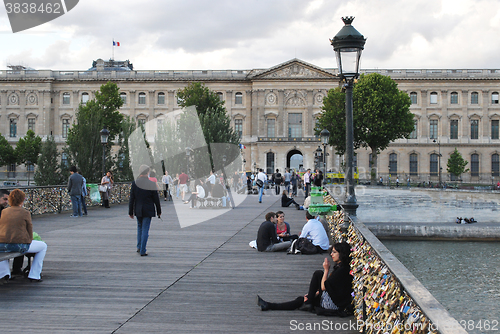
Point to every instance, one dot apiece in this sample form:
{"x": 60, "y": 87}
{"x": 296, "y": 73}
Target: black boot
{"x": 262, "y": 303}
{"x": 106, "y": 203}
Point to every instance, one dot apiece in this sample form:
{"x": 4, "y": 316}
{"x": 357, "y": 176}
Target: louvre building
{"x": 274, "y": 110}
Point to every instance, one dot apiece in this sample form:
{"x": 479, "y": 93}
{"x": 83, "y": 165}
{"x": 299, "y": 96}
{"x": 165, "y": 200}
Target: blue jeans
{"x": 77, "y": 205}
{"x": 84, "y": 205}
{"x": 143, "y": 224}
{"x": 261, "y": 191}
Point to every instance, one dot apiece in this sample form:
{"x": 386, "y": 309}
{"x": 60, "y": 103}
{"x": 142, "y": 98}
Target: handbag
{"x": 103, "y": 188}
{"x": 259, "y": 183}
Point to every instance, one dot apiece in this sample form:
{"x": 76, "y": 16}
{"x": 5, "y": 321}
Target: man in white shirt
{"x": 288, "y": 177}
{"x": 307, "y": 181}
{"x": 314, "y": 231}
{"x": 166, "y": 180}
{"x": 261, "y": 176}
{"x": 211, "y": 181}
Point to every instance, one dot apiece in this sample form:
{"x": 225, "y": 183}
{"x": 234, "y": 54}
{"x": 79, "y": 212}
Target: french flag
{"x": 242, "y": 146}
{"x": 116, "y": 43}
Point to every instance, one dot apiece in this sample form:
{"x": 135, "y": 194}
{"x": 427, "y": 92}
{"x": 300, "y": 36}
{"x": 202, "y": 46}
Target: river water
{"x": 463, "y": 276}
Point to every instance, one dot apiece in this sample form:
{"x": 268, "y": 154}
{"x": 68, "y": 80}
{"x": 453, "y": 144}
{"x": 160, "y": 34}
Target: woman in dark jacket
{"x": 286, "y": 201}
{"x": 330, "y": 292}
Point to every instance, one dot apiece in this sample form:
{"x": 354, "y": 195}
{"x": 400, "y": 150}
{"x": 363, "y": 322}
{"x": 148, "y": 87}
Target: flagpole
{"x": 113, "y": 50}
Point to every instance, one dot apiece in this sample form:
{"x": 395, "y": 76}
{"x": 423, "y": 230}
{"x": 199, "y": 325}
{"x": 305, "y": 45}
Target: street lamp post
{"x": 348, "y": 45}
{"x": 439, "y": 160}
{"x": 317, "y": 154}
{"x": 104, "y": 140}
{"x": 325, "y": 137}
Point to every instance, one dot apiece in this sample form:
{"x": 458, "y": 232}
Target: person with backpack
{"x": 277, "y": 179}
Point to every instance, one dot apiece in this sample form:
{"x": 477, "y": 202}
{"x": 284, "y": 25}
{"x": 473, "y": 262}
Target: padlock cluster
{"x": 380, "y": 303}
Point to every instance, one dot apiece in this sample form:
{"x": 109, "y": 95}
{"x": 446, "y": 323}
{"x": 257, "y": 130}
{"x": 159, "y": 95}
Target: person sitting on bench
{"x": 16, "y": 235}
{"x": 199, "y": 193}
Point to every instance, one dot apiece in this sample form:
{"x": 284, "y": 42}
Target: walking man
{"x": 143, "y": 200}
{"x": 75, "y": 183}
{"x": 166, "y": 180}
{"x": 84, "y": 194}
{"x": 262, "y": 177}
{"x": 277, "y": 179}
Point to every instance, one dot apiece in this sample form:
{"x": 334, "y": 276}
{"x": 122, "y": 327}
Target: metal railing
{"x": 386, "y": 294}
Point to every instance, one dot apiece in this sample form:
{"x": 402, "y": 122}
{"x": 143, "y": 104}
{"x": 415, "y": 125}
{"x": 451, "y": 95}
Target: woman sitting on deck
{"x": 329, "y": 294}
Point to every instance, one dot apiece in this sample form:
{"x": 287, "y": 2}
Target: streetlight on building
{"x": 348, "y": 45}
{"x": 104, "y": 141}
{"x": 439, "y": 160}
{"x": 325, "y": 137}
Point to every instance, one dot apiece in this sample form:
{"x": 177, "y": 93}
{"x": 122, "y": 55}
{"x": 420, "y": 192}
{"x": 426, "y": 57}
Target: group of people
{"x": 290, "y": 180}
{"x": 464, "y": 220}
{"x": 329, "y": 289}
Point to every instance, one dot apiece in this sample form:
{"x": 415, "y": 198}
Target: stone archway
{"x": 295, "y": 160}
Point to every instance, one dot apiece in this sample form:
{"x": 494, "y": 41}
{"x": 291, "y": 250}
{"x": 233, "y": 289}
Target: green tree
{"x": 48, "y": 171}
{"x": 84, "y": 140}
{"x": 456, "y": 164}
{"x": 28, "y": 149}
{"x": 214, "y": 121}
{"x": 381, "y": 115}
{"x": 122, "y": 168}
{"x": 7, "y": 152}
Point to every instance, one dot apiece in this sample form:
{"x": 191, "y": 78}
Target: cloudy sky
{"x": 246, "y": 34}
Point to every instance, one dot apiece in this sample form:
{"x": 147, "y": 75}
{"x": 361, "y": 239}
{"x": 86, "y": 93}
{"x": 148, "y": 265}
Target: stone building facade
{"x": 275, "y": 111}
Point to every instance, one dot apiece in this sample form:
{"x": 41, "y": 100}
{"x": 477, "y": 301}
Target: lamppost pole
{"x": 348, "y": 45}
{"x": 104, "y": 140}
{"x": 439, "y": 161}
{"x": 325, "y": 137}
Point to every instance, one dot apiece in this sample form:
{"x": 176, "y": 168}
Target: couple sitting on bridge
{"x": 16, "y": 235}
{"x": 268, "y": 241}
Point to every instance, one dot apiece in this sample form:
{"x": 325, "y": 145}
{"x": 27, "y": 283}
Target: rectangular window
{"x": 413, "y": 134}
{"x": 434, "y": 98}
{"x": 474, "y": 165}
{"x": 433, "y": 129}
{"x": 142, "y": 98}
{"x": 238, "y": 127}
{"x": 413, "y": 98}
{"x": 294, "y": 125}
{"x": 238, "y": 98}
{"x": 31, "y": 124}
{"x": 454, "y": 129}
{"x": 474, "y": 129}
{"x": 85, "y": 98}
{"x": 13, "y": 128}
{"x": 454, "y": 98}
{"x": 271, "y": 127}
{"x": 161, "y": 98}
{"x": 434, "y": 164}
{"x": 123, "y": 96}
{"x": 65, "y": 128}
{"x": 474, "y": 98}
{"x": 495, "y": 166}
{"x": 494, "y": 129}
{"x": 66, "y": 98}
{"x": 413, "y": 164}
{"x": 494, "y": 98}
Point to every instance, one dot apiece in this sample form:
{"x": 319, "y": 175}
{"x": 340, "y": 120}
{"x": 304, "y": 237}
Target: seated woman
{"x": 286, "y": 201}
{"x": 283, "y": 228}
{"x": 328, "y": 293}
{"x": 199, "y": 193}
{"x": 16, "y": 235}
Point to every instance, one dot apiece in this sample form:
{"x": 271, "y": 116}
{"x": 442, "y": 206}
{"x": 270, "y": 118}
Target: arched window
{"x": 413, "y": 134}
{"x": 434, "y": 98}
{"x": 123, "y": 96}
{"x": 494, "y": 129}
{"x": 433, "y": 168}
{"x": 413, "y": 97}
{"x": 494, "y": 98}
{"x": 454, "y": 98}
{"x": 238, "y": 98}
{"x": 413, "y": 164}
{"x": 393, "y": 164}
{"x": 270, "y": 163}
{"x": 142, "y": 98}
{"x": 454, "y": 129}
{"x": 13, "y": 127}
{"x": 474, "y": 164}
{"x": 433, "y": 128}
{"x": 66, "y": 98}
{"x": 65, "y": 127}
{"x": 221, "y": 96}
{"x": 474, "y": 98}
{"x": 495, "y": 167}
{"x": 271, "y": 129}
{"x": 85, "y": 98}
{"x": 161, "y": 98}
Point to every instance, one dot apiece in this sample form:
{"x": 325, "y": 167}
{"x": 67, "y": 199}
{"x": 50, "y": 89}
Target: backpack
{"x": 277, "y": 178}
{"x": 302, "y": 246}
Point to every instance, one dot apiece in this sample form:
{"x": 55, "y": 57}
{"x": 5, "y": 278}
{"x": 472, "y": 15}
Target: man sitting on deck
{"x": 267, "y": 239}
{"x": 314, "y": 231}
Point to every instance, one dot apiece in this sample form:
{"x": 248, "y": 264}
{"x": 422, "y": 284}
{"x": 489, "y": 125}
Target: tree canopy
{"x": 84, "y": 140}
{"x": 456, "y": 164}
{"x": 381, "y": 115}
{"x": 48, "y": 171}
{"x": 28, "y": 148}
{"x": 7, "y": 153}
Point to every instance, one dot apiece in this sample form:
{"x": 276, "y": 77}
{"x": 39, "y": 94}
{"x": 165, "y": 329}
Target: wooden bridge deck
{"x": 199, "y": 279}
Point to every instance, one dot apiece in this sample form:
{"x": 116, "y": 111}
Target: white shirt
{"x": 211, "y": 179}
{"x": 314, "y": 231}
{"x": 262, "y": 176}
{"x": 200, "y": 191}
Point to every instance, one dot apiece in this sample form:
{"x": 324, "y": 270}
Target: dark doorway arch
{"x": 294, "y": 160}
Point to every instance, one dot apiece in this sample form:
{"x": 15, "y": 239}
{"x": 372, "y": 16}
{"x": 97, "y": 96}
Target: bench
{"x": 9, "y": 255}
